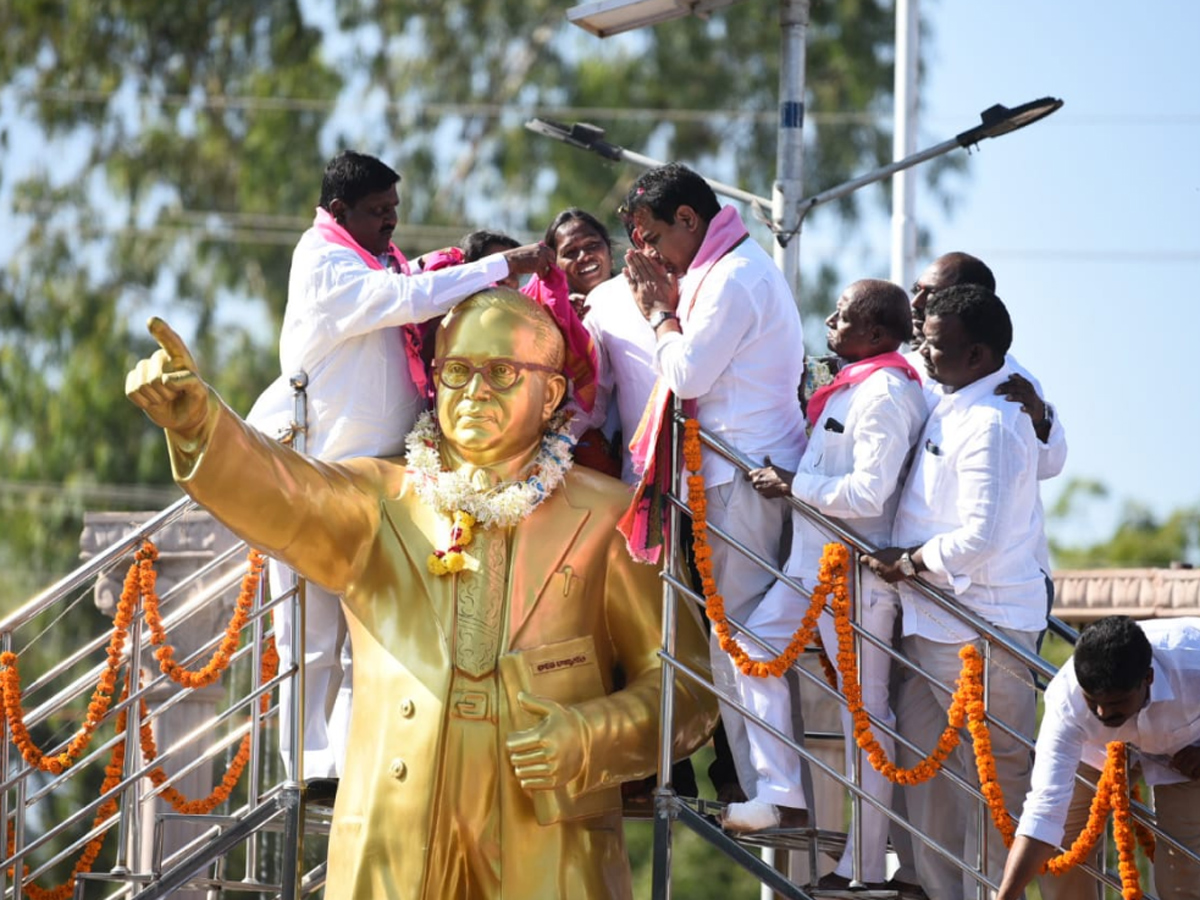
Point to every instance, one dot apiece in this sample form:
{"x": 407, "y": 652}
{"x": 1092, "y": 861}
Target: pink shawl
{"x": 643, "y": 524}
{"x": 580, "y": 365}
{"x": 853, "y": 374}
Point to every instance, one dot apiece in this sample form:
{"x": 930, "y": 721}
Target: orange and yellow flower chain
{"x": 139, "y": 585}
{"x": 966, "y": 704}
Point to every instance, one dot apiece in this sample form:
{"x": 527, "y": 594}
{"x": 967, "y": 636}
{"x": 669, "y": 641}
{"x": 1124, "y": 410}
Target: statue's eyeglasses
{"x": 500, "y": 373}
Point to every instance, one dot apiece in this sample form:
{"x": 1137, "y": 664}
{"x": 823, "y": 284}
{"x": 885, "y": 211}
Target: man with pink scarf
{"x": 864, "y": 425}
{"x": 728, "y": 339}
{"x": 350, "y": 325}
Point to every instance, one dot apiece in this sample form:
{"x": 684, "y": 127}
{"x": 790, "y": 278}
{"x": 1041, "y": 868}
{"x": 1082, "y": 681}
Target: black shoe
{"x": 320, "y": 791}
{"x": 683, "y": 778}
{"x": 730, "y": 792}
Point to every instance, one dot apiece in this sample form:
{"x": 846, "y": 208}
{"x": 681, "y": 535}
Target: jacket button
{"x": 398, "y": 769}
{"x": 407, "y": 709}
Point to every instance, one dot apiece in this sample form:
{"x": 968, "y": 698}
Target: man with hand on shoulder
{"x": 968, "y": 523}
{"x": 1021, "y": 387}
{"x": 351, "y": 326}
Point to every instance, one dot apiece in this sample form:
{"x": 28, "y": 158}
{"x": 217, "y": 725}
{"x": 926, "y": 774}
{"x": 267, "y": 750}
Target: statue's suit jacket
{"x": 359, "y": 529}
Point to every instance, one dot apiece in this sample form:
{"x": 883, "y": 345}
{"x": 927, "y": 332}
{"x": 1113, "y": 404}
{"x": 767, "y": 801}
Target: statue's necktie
{"x": 481, "y": 598}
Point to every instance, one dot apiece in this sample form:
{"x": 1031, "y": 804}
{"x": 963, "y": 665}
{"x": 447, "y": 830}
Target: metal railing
{"x": 149, "y": 850}
{"x": 268, "y": 806}
{"x": 993, "y": 639}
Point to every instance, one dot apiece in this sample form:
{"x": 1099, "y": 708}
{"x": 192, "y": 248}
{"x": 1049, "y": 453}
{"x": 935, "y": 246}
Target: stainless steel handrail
{"x": 991, "y": 634}
{"x": 95, "y": 565}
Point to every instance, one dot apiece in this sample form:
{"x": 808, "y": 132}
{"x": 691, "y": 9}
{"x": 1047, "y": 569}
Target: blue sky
{"x": 1089, "y": 220}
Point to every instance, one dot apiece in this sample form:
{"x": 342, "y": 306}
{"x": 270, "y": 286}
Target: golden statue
{"x": 505, "y": 644}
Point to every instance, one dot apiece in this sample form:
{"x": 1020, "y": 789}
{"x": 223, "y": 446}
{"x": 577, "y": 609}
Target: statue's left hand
{"x": 550, "y": 754}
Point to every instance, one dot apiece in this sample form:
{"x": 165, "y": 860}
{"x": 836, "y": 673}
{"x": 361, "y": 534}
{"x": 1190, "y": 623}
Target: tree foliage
{"x": 1142, "y": 538}
{"x": 164, "y": 158}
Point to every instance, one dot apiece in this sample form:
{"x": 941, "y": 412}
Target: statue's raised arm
{"x": 317, "y": 518}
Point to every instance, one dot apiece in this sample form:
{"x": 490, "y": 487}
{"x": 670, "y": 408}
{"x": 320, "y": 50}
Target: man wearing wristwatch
{"x": 1021, "y": 387}
{"x": 728, "y": 337}
{"x": 968, "y": 523}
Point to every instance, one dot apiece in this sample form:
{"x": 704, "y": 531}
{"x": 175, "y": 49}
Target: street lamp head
{"x": 581, "y": 134}
{"x": 607, "y": 17}
{"x": 999, "y": 119}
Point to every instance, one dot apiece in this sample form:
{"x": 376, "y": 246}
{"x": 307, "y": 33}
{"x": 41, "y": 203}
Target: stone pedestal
{"x": 185, "y": 546}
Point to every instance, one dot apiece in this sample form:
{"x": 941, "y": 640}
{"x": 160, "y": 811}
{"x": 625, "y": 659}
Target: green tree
{"x": 145, "y": 154}
{"x": 182, "y": 151}
{"x": 1141, "y": 538}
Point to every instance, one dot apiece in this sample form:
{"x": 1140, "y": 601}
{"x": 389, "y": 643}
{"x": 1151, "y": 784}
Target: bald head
{"x": 948, "y": 270}
{"x": 872, "y": 317}
{"x": 952, "y": 269}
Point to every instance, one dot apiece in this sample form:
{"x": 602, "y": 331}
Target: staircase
{"x": 135, "y": 824}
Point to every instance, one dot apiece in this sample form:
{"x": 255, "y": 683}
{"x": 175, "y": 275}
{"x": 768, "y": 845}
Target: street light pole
{"x": 789, "y": 156}
{"x": 995, "y": 121}
{"x": 904, "y": 141}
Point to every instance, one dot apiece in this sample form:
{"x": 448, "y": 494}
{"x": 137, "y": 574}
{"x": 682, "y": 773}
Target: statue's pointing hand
{"x": 550, "y": 754}
{"x": 167, "y": 386}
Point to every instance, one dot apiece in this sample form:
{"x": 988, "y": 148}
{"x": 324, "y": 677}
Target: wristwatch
{"x": 907, "y": 569}
{"x": 663, "y": 315}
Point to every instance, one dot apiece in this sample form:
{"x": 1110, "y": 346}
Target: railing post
{"x": 664, "y": 795}
{"x": 257, "y": 720}
{"x": 853, "y": 754}
{"x": 292, "y": 870}
{"x": 129, "y": 827}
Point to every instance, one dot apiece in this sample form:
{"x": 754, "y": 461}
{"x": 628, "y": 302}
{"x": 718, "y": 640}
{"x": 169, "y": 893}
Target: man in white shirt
{"x": 864, "y": 426}
{"x": 728, "y": 336}
{"x": 350, "y": 326}
{"x": 1128, "y": 681}
{"x": 968, "y": 523}
{"x": 625, "y": 353}
{"x": 1022, "y": 387}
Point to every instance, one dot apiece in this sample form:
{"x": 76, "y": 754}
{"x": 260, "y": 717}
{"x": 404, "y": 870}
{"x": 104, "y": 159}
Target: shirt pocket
{"x": 835, "y": 455}
{"x": 932, "y": 471}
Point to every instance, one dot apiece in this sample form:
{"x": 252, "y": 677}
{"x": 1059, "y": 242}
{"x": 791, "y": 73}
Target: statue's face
{"x": 482, "y": 423}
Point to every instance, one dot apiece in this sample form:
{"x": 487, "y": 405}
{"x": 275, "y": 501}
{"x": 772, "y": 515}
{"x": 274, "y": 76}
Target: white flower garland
{"x": 505, "y": 504}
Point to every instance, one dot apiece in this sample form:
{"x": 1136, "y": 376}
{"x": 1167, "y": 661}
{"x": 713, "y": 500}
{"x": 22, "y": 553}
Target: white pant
{"x": 327, "y": 676}
{"x": 878, "y": 617}
{"x": 938, "y": 808}
{"x": 777, "y": 766}
{"x": 757, "y": 523}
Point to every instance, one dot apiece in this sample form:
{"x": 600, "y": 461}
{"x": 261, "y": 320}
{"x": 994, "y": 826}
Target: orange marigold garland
{"x": 835, "y": 560}
{"x": 139, "y": 583}
{"x": 827, "y": 669}
{"x": 113, "y": 773}
{"x": 714, "y": 603}
{"x": 1093, "y": 830}
{"x": 966, "y": 705}
{"x": 178, "y": 800}
{"x": 165, "y": 654}
{"x": 10, "y": 679}
{"x": 985, "y": 765}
